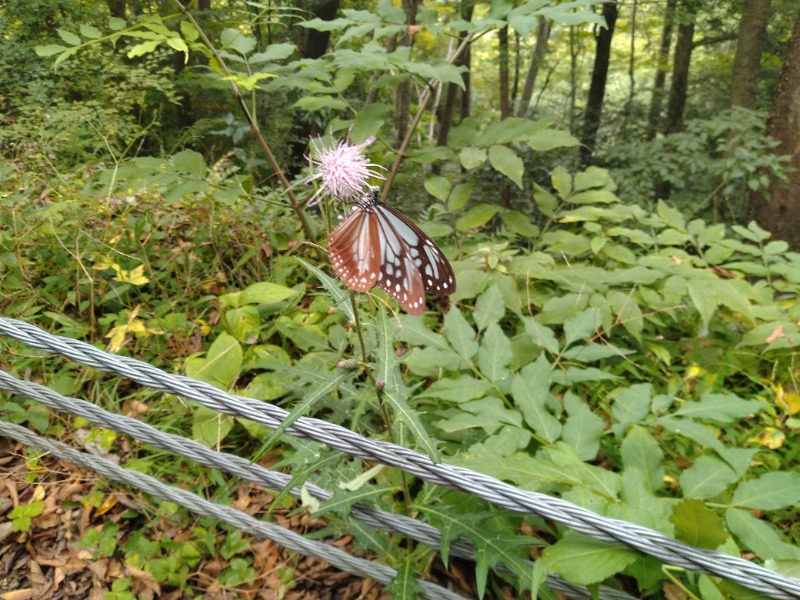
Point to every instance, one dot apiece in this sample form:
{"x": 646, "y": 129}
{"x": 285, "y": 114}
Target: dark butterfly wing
{"x": 379, "y": 245}
{"x": 354, "y": 252}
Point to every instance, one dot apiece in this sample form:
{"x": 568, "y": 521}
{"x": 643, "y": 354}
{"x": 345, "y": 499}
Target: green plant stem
{"x": 256, "y": 131}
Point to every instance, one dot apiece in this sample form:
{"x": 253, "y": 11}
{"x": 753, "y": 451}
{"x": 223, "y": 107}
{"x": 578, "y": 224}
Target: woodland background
{"x": 616, "y": 185}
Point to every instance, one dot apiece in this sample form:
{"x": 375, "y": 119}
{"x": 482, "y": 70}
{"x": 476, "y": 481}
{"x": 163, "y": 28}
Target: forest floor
{"x": 48, "y": 562}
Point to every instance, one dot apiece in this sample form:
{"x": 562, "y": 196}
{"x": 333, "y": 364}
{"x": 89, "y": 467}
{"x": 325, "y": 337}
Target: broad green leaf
{"x": 671, "y": 216}
{"x": 629, "y": 315}
{"x": 190, "y": 162}
{"x": 519, "y": 223}
{"x": 178, "y": 44}
{"x": 275, "y": 52}
{"x": 222, "y": 364}
{"x": 476, "y": 217}
{"x": 461, "y": 389}
{"x": 368, "y": 121}
{"x": 697, "y": 525}
{"x": 341, "y": 299}
{"x": 267, "y": 387}
{"x": 471, "y": 157}
{"x": 541, "y": 335}
{"x": 640, "y": 450}
{"x": 461, "y": 336}
{"x": 632, "y": 404}
{"x": 494, "y": 355}
{"x": 460, "y": 196}
{"x": 235, "y": 40}
{"x": 69, "y": 37}
{"x": 210, "y": 427}
{"x": 531, "y": 388}
{"x": 243, "y": 322}
{"x": 582, "y": 429}
{"x": 489, "y": 308}
{"x": 583, "y": 326}
{"x": 759, "y": 536}
{"x": 314, "y": 103}
{"x": 562, "y": 182}
{"x": 706, "y": 478}
{"x": 584, "y": 561}
{"x": 438, "y": 187}
{"x": 49, "y": 50}
{"x": 116, "y": 24}
{"x": 549, "y": 139}
{"x": 506, "y": 161}
{"x": 266, "y": 292}
{"x": 545, "y": 201}
{"x": 722, "y": 408}
{"x": 487, "y": 413}
{"x": 431, "y": 362}
{"x": 771, "y": 491}
{"x": 189, "y": 32}
{"x": 143, "y": 48}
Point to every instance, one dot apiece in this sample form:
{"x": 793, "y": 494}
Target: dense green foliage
{"x": 617, "y": 352}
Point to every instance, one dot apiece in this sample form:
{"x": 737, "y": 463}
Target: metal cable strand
{"x": 400, "y": 524}
{"x": 646, "y": 540}
{"x": 285, "y": 537}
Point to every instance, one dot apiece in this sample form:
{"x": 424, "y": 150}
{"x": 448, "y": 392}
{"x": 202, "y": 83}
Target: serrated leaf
{"x": 404, "y": 586}
{"x": 585, "y": 561}
{"x": 759, "y": 536}
{"x": 706, "y": 478}
{"x": 641, "y": 451}
{"x": 49, "y": 50}
{"x": 461, "y": 389}
{"x": 582, "y": 432}
{"x": 722, "y": 408}
{"x": 341, "y": 299}
{"x": 632, "y": 404}
{"x": 697, "y": 525}
{"x": 531, "y": 388}
{"x": 489, "y": 308}
{"x": 235, "y": 40}
{"x": 494, "y": 355}
{"x": 461, "y": 336}
{"x": 770, "y": 491}
{"x": 505, "y": 161}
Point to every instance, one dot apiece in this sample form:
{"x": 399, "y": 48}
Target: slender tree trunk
{"x": 632, "y": 61}
{"x": 313, "y": 43}
{"x": 542, "y": 34}
{"x": 597, "y": 89}
{"x": 680, "y": 76}
{"x": 654, "y": 115}
{"x": 505, "y": 105}
{"x": 446, "y": 115}
{"x": 116, "y": 8}
{"x": 403, "y": 99}
{"x": 747, "y": 62}
{"x": 778, "y": 210}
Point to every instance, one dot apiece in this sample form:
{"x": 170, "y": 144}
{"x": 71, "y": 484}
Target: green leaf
{"x": 471, "y": 157}
{"x": 143, "y": 48}
{"x": 698, "y": 525}
{"x": 631, "y": 405}
{"x": 488, "y": 414}
{"x": 505, "y": 161}
{"x": 584, "y": 561}
{"x": 266, "y": 293}
{"x": 368, "y": 121}
{"x": 116, "y": 24}
{"x": 562, "y": 182}
{"x": 494, "y": 355}
{"x": 641, "y": 451}
{"x": 722, "y": 408}
{"x": 771, "y": 491}
{"x": 461, "y": 336}
{"x": 69, "y": 37}
{"x": 629, "y": 315}
{"x": 222, "y": 364}
{"x": 582, "y": 429}
{"x": 242, "y": 323}
{"x": 404, "y": 586}
{"x": 583, "y": 326}
{"x": 489, "y": 308}
{"x": 549, "y": 139}
{"x": 519, "y": 223}
{"x": 235, "y": 40}
{"x": 49, "y": 50}
{"x": 210, "y": 427}
{"x": 706, "y": 478}
{"x": 314, "y": 103}
{"x": 541, "y": 335}
{"x": 476, "y": 216}
{"x": 438, "y": 187}
{"x": 461, "y": 389}
{"x": 341, "y": 299}
{"x": 759, "y": 536}
{"x": 89, "y": 31}
{"x": 531, "y": 388}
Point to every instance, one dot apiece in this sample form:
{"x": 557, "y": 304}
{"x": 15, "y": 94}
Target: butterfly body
{"x": 378, "y": 245}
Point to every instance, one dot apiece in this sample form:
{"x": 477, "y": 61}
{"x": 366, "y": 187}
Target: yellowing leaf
{"x": 134, "y": 277}
{"x": 788, "y": 401}
{"x": 116, "y": 338}
{"x": 771, "y": 438}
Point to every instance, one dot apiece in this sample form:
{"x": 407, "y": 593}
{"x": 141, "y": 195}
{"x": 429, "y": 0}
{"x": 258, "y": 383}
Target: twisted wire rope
{"x": 286, "y": 537}
{"x": 575, "y": 517}
{"x": 399, "y": 524}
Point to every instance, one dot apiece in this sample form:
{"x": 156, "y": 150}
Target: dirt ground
{"x": 49, "y": 562}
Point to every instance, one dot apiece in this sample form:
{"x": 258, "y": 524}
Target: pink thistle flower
{"x": 342, "y": 170}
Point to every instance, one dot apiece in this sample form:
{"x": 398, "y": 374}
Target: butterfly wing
{"x": 434, "y": 268}
{"x": 354, "y": 252}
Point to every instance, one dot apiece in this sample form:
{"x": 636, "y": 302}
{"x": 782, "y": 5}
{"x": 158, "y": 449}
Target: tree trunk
{"x": 654, "y": 115}
{"x": 505, "y": 105}
{"x": 542, "y": 34}
{"x": 310, "y": 42}
{"x": 747, "y": 62}
{"x": 680, "y": 76}
{"x": 778, "y": 210}
{"x": 402, "y": 103}
{"x": 597, "y": 89}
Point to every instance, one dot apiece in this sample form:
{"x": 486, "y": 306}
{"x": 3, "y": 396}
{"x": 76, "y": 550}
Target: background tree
{"x": 749, "y": 44}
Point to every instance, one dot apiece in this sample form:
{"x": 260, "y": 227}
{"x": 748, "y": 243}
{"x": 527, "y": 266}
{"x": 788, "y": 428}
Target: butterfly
{"x": 378, "y": 245}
